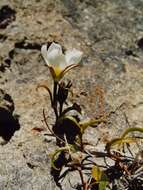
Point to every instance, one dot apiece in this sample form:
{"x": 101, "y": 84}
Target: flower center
{"x": 57, "y": 71}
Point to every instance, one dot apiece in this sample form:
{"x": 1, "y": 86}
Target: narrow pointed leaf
{"x": 96, "y": 173}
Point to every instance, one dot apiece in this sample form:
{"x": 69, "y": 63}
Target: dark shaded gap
{"x": 7, "y": 15}
{"x": 8, "y": 122}
{"x": 26, "y": 45}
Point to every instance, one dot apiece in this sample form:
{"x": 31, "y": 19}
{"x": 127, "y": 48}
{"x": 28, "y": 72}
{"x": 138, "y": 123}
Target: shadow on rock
{"x": 7, "y": 15}
{"x": 8, "y": 122}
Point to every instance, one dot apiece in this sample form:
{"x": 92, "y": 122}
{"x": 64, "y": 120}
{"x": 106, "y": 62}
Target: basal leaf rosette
{"x": 58, "y": 62}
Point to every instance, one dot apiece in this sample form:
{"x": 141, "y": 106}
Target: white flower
{"x": 59, "y": 63}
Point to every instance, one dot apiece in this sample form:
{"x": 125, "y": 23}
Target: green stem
{"x": 61, "y": 108}
{"x": 82, "y": 179}
{"x": 55, "y": 99}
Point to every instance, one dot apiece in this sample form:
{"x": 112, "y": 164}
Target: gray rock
{"x": 109, "y": 33}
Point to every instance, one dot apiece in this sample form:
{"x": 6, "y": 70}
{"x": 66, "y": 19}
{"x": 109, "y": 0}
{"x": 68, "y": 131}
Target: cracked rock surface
{"x": 110, "y": 34}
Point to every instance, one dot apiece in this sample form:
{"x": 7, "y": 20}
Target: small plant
{"x": 72, "y": 153}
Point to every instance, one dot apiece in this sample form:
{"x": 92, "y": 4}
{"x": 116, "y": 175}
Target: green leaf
{"x": 47, "y": 88}
{"x": 100, "y": 177}
{"x": 96, "y": 173}
{"x": 119, "y": 141}
{"x": 132, "y": 129}
{"x": 73, "y": 120}
{"x": 123, "y": 139}
{"x": 91, "y": 123}
{"x": 104, "y": 181}
{"x": 55, "y": 156}
{"x": 102, "y": 185}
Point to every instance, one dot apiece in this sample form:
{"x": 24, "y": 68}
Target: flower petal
{"x": 54, "y": 51}
{"x": 55, "y": 56}
{"x": 56, "y": 60}
{"x": 55, "y": 46}
{"x": 44, "y": 53}
{"x": 73, "y": 56}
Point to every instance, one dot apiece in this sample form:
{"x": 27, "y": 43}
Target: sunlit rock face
{"x": 109, "y": 33}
